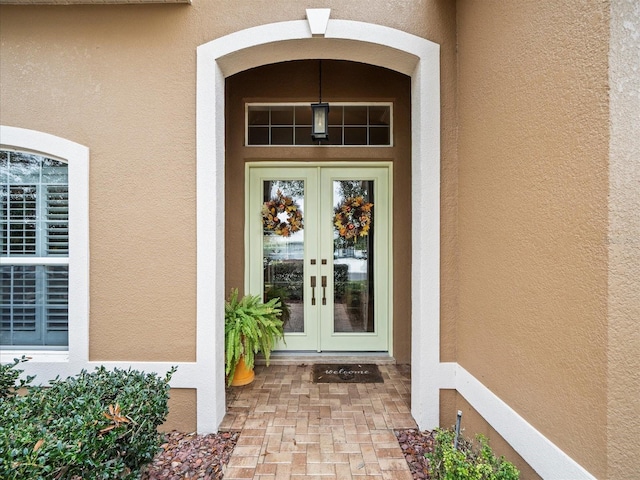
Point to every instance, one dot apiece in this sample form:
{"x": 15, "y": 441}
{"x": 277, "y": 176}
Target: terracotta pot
{"x": 242, "y": 375}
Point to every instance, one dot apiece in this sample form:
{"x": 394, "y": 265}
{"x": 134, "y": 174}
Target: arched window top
{"x": 44, "y": 245}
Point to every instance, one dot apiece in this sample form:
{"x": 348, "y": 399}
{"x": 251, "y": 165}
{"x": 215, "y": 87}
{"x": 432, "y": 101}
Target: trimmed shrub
{"x": 99, "y": 425}
{"x": 10, "y": 383}
{"x": 467, "y": 462}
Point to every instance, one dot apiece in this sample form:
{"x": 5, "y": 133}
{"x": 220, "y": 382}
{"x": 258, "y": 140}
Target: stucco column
{"x": 623, "y": 395}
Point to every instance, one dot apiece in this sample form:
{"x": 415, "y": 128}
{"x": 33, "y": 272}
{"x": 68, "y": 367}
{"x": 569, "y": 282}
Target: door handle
{"x": 313, "y": 290}
{"x": 324, "y": 289}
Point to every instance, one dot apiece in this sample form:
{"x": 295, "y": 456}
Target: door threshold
{"x": 311, "y": 358}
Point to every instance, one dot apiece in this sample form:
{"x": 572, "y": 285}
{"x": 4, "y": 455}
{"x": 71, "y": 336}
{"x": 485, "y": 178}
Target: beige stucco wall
{"x": 121, "y": 80}
{"x": 182, "y": 411}
{"x": 533, "y": 153}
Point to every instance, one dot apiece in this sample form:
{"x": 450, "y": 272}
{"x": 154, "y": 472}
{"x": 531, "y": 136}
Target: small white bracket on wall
{"x": 318, "y": 19}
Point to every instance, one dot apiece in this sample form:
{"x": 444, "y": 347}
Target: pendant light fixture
{"x": 320, "y": 113}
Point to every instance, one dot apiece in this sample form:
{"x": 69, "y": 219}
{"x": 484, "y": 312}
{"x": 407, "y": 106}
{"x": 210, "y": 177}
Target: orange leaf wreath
{"x": 281, "y": 204}
{"x": 353, "y": 218}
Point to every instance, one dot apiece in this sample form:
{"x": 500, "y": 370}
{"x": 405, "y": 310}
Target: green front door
{"x": 319, "y": 237}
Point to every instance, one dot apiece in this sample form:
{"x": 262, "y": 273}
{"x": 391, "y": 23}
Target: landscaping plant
{"x": 250, "y": 326}
{"x": 98, "y": 425}
{"x": 467, "y": 462}
{"x": 10, "y": 382}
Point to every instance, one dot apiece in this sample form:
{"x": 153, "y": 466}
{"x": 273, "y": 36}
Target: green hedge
{"x": 467, "y": 462}
{"x": 98, "y": 425}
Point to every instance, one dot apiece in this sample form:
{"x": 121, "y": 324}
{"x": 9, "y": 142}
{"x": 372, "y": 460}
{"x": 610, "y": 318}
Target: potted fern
{"x": 250, "y": 327}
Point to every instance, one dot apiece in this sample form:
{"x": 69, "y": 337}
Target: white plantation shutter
{"x": 18, "y": 300}
{"x": 57, "y": 227}
{"x": 34, "y": 275}
{"x": 21, "y": 210}
{"x": 56, "y": 309}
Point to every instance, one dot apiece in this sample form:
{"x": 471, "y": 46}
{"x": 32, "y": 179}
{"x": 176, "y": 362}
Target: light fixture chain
{"x": 320, "y": 83}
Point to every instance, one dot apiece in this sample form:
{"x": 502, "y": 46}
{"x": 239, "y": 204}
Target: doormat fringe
{"x": 346, "y": 373}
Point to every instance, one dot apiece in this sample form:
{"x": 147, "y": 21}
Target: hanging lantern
{"x": 320, "y": 113}
{"x": 320, "y": 119}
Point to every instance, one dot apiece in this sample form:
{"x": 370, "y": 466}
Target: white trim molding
{"x": 546, "y": 458}
{"x": 342, "y": 40}
{"x": 318, "y": 19}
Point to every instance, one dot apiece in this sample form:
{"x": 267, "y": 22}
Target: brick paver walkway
{"x": 292, "y": 428}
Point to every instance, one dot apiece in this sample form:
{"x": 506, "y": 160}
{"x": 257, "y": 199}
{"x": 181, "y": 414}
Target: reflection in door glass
{"x": 353, "y": 256}
{"x": 283, "y": 248}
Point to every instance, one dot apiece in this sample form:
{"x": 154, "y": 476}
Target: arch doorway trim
{"x": 338, "y": 40}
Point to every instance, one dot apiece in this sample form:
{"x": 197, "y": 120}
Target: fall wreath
{"x": 353, "y": 218}
{"x": 273, "y": 221}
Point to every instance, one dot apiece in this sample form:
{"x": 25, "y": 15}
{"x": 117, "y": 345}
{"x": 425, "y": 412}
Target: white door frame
{"x": 322, "y": 38}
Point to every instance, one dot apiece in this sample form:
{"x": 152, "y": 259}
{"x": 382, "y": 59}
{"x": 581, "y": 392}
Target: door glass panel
{"x": 283, "y": 248}
{"x": 353, "y": 255}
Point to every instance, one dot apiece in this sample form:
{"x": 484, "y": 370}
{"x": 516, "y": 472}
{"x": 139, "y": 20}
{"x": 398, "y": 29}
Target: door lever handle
{"x": 313, "y": 290}
{"x": 324, "y": 289}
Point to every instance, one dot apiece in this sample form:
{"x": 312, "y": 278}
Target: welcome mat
{"x": 346, "y": 373}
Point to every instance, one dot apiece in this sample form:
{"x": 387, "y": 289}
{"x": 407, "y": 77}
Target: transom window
{"x": 350, "y": 124}
{"x": 34, "y": 245}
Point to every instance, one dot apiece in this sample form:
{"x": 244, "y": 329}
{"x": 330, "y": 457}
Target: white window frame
{"x": 323, "y": 145}
{"x": 77, "y": 158}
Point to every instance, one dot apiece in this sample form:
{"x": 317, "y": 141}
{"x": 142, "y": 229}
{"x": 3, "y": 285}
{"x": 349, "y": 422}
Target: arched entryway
{"x": 364, "y": 306}
{"x": 338, "y": 40}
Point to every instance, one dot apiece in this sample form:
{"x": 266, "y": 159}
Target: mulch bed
{"x": 414, "y": 445}
{"x": 190, "y": 456}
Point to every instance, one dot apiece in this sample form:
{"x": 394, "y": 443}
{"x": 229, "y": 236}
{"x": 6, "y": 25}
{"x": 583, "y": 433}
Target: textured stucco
{"x": 182, "y": 411}
{"x": 623, "y": 374}
{"x": 533, "y": 159}
{"x": 99, "y": 77}
{"x": 122, "y": 80}
{"x": 444, "y": 15}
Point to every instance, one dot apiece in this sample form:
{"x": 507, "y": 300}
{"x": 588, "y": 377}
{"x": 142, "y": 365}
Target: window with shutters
{"x": 34, "y": 246}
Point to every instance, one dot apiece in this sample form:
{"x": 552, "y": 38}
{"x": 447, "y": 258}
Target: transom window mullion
{"x": 262, "y": 130}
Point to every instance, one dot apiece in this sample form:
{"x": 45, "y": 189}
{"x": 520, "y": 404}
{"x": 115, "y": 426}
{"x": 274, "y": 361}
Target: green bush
{"x": 99, "y": 425}
{"x": 10, "y": 383}
{"x": 467, "y": 462}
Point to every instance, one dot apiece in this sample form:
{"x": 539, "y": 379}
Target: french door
{"x": 319, "y": 238}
